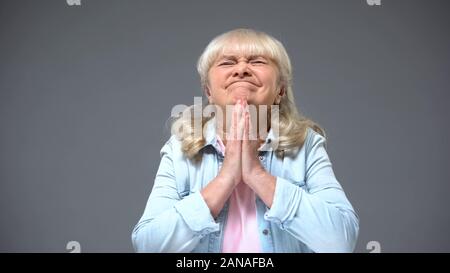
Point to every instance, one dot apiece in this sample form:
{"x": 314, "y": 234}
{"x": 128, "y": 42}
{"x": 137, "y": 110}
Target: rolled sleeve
{"x": 196, "y": 214}
{"x": 286, "y": 200}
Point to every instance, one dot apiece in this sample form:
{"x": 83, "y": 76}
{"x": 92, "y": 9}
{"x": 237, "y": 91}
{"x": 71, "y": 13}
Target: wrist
{"x": 263, "y": 184}
{"x": 257, "y": 174}
{"x": 225, "y": 178}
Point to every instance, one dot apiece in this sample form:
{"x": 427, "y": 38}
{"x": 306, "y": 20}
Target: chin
{"x": 242, "y": 97}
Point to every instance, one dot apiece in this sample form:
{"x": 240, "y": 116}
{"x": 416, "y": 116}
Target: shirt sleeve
{"x": 315, "y": 211}
{"x": 170, "y": 222}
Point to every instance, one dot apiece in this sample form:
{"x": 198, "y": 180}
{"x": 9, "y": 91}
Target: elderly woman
{"x": 229, "y": 189}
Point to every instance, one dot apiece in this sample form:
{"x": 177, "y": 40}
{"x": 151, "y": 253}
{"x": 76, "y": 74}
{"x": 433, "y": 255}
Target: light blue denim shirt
{"x": 310, "y": 211}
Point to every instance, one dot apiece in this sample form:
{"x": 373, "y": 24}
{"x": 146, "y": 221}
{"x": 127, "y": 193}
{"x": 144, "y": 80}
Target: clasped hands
{"x": 241, "y": 163}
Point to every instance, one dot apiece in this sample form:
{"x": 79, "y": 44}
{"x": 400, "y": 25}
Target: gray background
{"x": 85, "y": 92}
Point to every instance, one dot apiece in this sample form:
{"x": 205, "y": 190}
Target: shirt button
{"x": 265, "y": 232}
{"x": 261, "y": 157}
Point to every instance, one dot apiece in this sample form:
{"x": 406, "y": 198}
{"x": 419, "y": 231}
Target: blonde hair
{"x": 292, "y": 125}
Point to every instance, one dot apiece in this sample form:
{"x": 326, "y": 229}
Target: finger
{"x": 248, "y": 121}
{"x": 251, "y": 129}
{"x": 246, "y": 127}
{"x": 229, "y": 130}
{"x": 235, "y": 120}
{"x": 240, "y": 122}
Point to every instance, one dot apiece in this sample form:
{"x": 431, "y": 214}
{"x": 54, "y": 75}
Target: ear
{"x": 282, "y": 91}
{"x": 280, "y": 94}
{"x": 208, "y": 94}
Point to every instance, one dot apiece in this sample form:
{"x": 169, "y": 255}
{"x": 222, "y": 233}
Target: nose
{"x": 242, "y": 70}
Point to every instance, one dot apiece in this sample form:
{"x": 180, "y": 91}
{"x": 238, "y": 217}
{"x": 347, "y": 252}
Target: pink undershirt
{"x": 241, "y": 229}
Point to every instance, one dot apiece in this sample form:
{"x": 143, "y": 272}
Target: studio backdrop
{"x": 87, "y": 88}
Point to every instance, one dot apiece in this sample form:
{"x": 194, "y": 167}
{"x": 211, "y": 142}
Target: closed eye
{"x": 258, "y": 61}
{"x": 226, "y": 63}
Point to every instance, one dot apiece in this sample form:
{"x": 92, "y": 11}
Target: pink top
{"x": 241, "y": 229}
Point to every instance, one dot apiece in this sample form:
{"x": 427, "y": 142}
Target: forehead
{"x": 243, "y": 48}
{"x": 237, "y": 55}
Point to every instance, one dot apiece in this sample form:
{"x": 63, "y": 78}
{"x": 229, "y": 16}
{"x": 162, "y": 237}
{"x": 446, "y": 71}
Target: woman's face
{"x": 234, "y": 76}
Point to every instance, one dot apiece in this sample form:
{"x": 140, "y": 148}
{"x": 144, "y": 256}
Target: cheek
{"x": 217, "y": 78}
{"x": 271, "y": 82}
{"x": 274, "y": 77}
{"x": 269, "y": 76}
